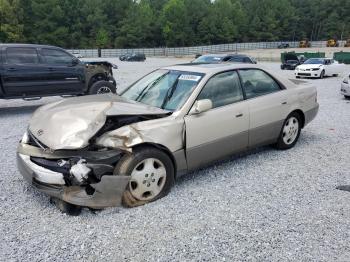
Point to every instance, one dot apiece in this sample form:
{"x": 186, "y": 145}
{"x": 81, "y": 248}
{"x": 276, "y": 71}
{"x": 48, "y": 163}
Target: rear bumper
{"x": 106, "y": 193}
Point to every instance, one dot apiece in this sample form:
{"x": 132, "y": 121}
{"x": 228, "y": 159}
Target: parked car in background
{"x": 220, "y": 58}
{"x": 291, "y": 61}
{"x": 77, "y": 54}
{"x": 122, "y": 57}
{"x": 130, "y": 148}
{"x": 283, "y": 45}
{"x": 318, "y": 68}
{"x": 133, "y": 57}
{"x": 345, "y": 87}
{"x": 33, "y": 71}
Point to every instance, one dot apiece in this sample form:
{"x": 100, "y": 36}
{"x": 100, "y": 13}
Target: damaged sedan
{"x": 107, "y": 150}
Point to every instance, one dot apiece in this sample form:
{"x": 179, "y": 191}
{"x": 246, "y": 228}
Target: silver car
{"x": 107, "y": 150}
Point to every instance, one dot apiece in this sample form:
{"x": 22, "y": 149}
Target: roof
{"x": 27, "y": 45}
{"x": 209, "y": 68}
{"x": 225, "y": 54}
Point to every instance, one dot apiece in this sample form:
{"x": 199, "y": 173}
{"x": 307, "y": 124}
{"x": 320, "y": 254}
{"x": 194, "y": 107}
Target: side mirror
{"x": 201, "y": 106}
{"x": 75, "y": 61}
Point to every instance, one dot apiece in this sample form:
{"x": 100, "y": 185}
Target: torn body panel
{"x": 164, "y": 131}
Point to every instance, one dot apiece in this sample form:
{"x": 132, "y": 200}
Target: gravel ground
{"x": 266, "y": 205}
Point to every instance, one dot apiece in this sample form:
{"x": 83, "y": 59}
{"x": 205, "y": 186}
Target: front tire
{"x": 322, "y": 74}
{"x": 102, "y": 87}
{"x": 290, "y": 132}
{"x": 152, "y": 175}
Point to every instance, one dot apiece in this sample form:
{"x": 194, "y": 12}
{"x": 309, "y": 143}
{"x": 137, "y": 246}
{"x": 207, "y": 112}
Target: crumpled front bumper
{"x": 107, "y": 193}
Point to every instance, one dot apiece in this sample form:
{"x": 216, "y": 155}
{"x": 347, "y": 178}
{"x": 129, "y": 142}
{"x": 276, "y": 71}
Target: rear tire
{"x": 290, "y": 132}
{"x": 152, "y": 175}
{"x": 102, "y": 87}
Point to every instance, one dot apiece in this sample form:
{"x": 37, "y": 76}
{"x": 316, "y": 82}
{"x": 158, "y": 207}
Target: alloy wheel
{"x": 290, "y": 130}
{"x": 104, "y": 90}
{"x": 147, "y": 179}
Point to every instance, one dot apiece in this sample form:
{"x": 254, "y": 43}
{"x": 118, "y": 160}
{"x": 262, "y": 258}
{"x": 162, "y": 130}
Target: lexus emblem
{"x": 40, "y": 132}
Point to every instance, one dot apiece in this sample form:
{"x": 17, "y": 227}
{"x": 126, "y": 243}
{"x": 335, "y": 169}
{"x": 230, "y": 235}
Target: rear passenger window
{"x": 222, "y": 89}
{"x": 257, "y": 83}
{"x": 21, "y": 55}
{"x": 54, "y": 56}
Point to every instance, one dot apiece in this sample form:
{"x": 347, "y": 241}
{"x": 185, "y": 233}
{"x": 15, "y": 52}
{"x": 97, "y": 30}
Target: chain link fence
{"x": 184, "y": 51}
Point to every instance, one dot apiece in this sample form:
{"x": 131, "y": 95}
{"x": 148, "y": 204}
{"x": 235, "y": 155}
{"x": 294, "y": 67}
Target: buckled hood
{"x": 70, "y": 123}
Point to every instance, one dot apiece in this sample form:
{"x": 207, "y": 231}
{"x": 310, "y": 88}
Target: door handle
{"x": 284, "y": 103}
{"x": 11, "y": 69}
{"x": 239, "y": 115}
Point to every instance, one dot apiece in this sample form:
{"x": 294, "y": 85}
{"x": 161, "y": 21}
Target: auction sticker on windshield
{"x": 189, "y": 77}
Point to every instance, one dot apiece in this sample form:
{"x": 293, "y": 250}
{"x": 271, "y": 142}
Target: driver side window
{"x": 222, "y": 89}
{"x": 56, "y": 57}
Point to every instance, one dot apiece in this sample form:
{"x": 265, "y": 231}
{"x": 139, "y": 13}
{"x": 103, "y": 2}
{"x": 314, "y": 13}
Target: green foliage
{"x": 148, "y": 23}
{"x": 11, "y": 30}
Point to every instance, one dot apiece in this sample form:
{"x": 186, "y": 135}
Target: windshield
{"x": 208, "y": 59}
{"x": 314, "y": 61}
{"x": 167, "y": 89}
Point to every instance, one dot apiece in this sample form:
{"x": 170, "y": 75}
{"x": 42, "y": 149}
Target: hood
{"x": 309, "y": 66}
{"x": 70, "y": 123}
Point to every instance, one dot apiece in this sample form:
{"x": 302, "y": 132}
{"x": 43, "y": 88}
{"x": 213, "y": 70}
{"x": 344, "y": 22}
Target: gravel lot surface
{"x": 267, "y": 205}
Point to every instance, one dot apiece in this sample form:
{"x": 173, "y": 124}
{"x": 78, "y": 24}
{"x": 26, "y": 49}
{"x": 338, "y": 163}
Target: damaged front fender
{"x": 168, "y": 133}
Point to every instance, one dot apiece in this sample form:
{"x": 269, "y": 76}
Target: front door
{"x": 63, "y": 76}
{"x": 222, "y": 130}
{"x": 23, "y": 74}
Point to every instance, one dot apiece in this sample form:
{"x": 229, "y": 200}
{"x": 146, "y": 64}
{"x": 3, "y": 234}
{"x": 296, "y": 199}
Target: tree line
{"x": 153, "y": 23}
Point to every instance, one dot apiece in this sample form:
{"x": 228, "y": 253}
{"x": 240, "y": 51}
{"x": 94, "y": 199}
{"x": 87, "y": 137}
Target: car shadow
{"x": 16, "y": 110}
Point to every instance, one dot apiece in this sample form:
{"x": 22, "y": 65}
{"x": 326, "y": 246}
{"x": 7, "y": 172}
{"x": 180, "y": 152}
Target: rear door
{"x": 62, "y": 74}
{"x": 222, "y": 130}
{"x": 23, "y": 75}
{"x": 268, "y": 105}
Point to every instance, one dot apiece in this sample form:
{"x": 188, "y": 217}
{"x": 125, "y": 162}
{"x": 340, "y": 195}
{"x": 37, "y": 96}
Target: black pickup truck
{"x": 33, "y": 71}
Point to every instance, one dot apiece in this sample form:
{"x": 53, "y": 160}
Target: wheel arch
{"x": 302, "y": 116}
{"x": 97, "y": 77}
